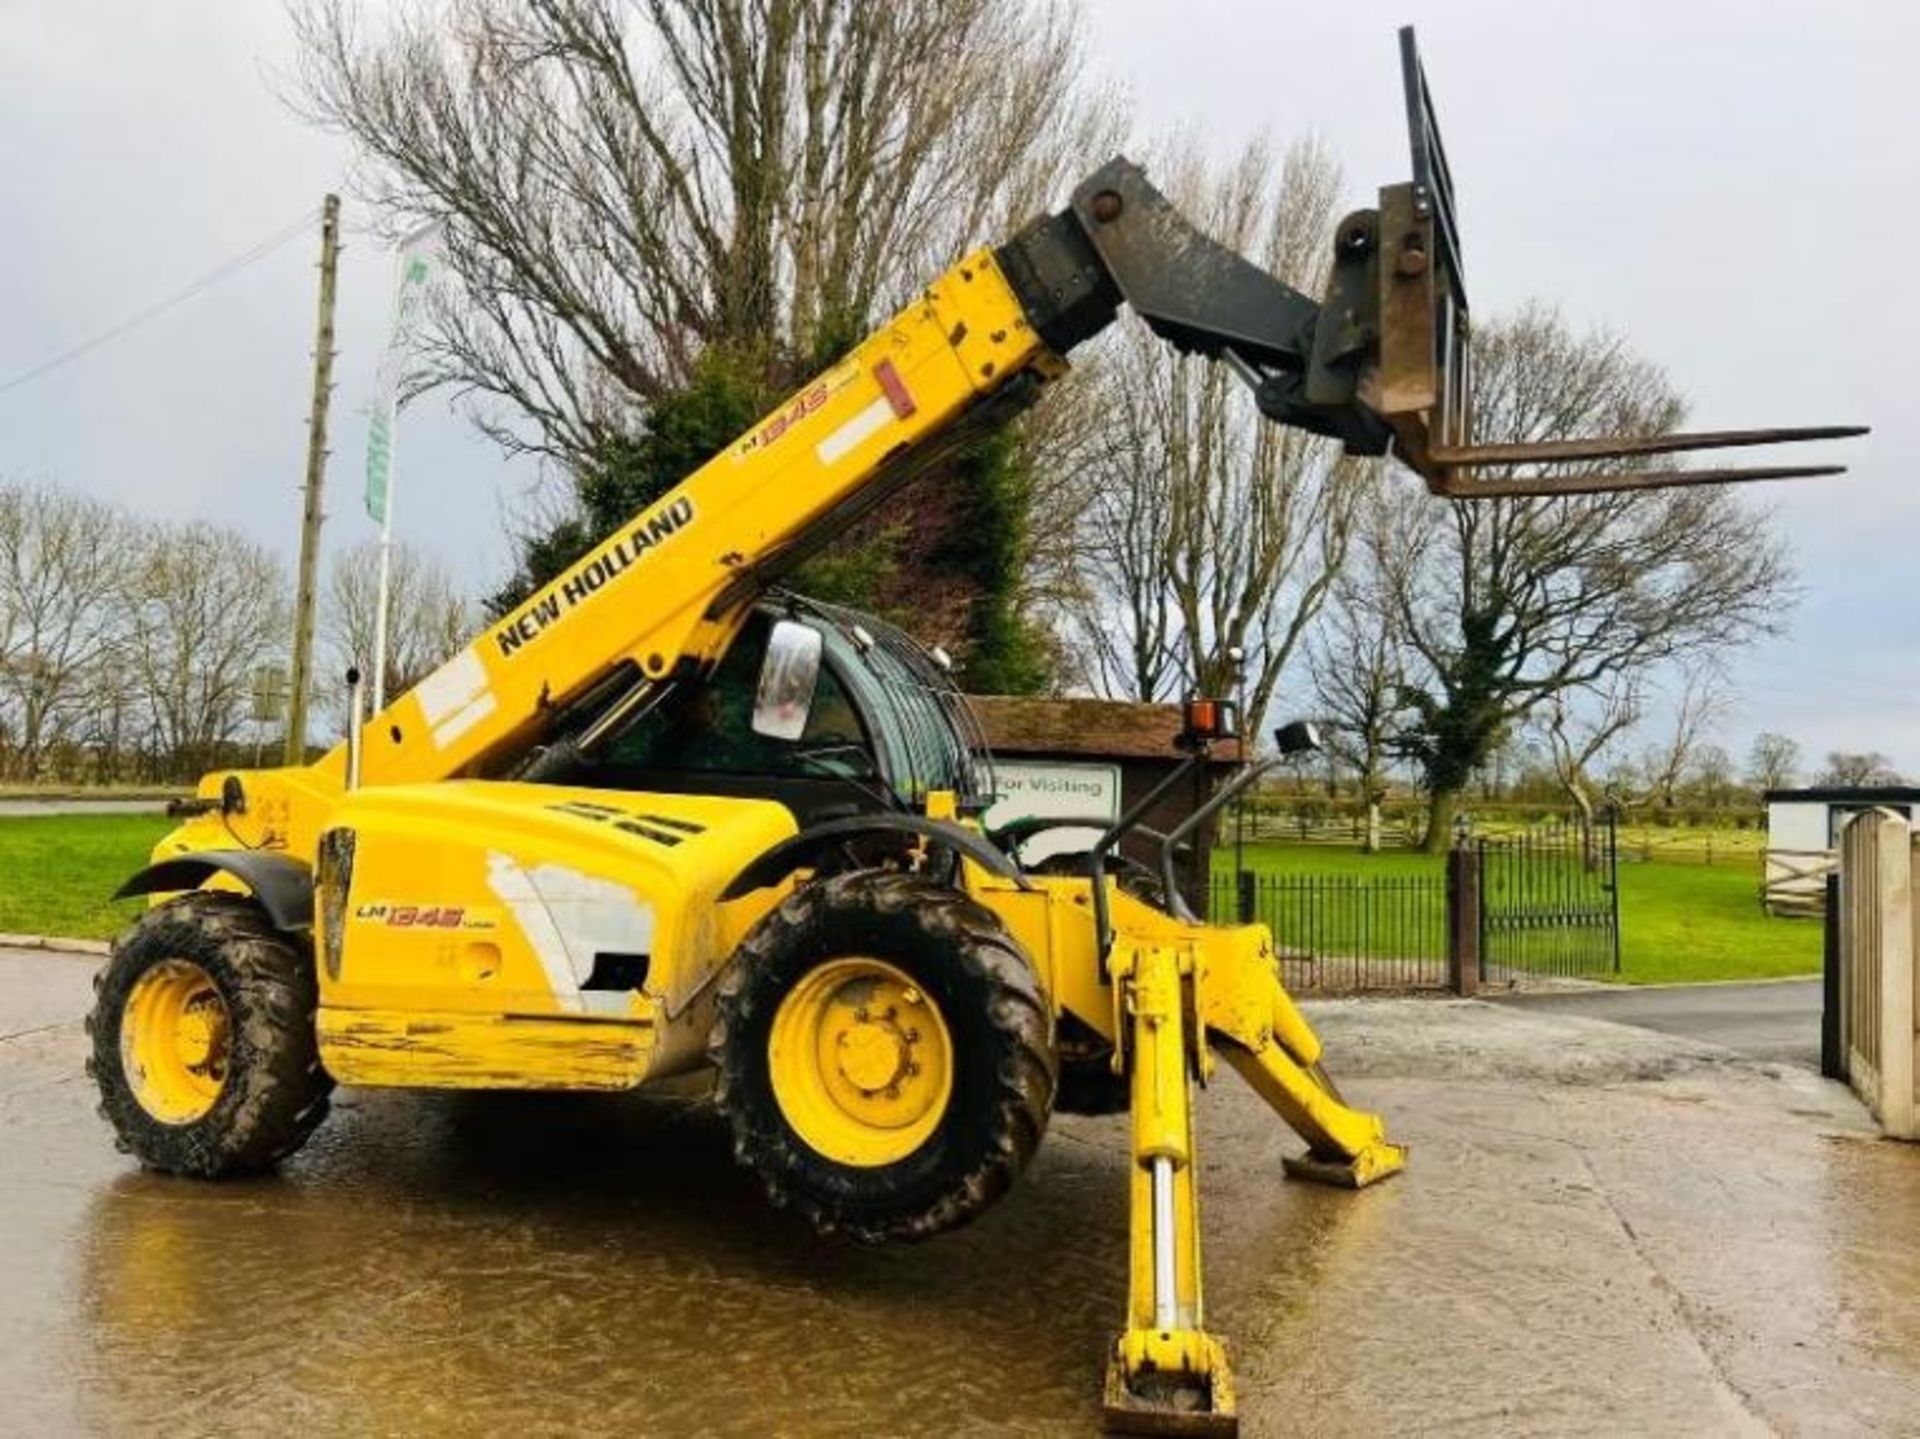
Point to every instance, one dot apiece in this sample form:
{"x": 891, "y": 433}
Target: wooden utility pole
{"x": 311, "y": 515}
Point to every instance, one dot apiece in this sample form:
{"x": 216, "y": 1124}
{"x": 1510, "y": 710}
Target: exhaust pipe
{"x": 356, "y": 726}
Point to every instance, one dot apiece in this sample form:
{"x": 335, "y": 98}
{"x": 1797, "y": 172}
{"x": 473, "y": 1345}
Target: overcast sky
{"x": 1731, "y": 184}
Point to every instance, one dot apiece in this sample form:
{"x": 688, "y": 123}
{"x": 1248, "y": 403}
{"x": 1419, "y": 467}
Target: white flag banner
{"x": 418, "y": 269}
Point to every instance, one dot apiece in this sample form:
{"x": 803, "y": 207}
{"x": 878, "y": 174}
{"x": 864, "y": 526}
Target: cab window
{"x": 706, "y": 727}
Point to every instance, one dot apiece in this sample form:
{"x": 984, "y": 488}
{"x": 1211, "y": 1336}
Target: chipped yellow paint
{"x": 410, "y": 1049}
{"x": 669, "y": 589}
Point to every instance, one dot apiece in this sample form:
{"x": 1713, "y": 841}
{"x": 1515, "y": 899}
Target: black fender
{"x": 800, "y": 850}
{"x": 282, "y": 884}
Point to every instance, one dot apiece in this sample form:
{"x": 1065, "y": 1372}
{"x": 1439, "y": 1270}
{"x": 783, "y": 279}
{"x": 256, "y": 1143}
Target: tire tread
{"x": 1017, "y": 1010}
{"x": 277, "y": 1092}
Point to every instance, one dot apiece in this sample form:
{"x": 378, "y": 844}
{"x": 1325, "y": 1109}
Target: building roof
{"x": 1847, "y": 794}
{"x": 1089, "y": 728}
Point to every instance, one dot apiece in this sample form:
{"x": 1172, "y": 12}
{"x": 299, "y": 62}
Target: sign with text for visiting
{"x": 1055, "y": 791}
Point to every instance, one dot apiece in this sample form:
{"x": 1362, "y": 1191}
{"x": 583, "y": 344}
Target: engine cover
{"x": 496, "y": 935}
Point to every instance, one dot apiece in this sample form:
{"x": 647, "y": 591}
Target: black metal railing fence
{"x": 1339, "y": 934}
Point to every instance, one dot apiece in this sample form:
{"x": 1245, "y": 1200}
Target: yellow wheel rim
{"x": 861, "y": 1062}
{"x": 175, "y": 1041}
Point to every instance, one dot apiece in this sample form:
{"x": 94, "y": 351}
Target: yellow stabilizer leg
{"x": 1348, "y": 1147}
{"x": 1270, "y": 1043}
{"x": 1166, "y": 1374}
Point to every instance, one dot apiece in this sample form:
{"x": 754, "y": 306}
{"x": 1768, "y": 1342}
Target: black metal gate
{"x": 1550, "y": 900}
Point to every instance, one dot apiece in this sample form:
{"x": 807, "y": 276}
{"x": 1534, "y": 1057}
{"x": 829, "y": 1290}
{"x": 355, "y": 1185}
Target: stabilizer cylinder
{"x": 1166, "y": 1375}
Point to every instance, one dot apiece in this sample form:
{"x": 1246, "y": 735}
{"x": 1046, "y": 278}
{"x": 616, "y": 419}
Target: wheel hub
{"x": 202, "y": 1035}
{"x": 861, "y": 1062}
{"x": 175, "y": 1039}
{"x": 872, "y": 1056}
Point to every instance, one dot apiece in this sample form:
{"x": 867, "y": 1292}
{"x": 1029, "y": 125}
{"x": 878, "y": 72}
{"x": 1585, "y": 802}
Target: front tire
{"x": 203, "y": 1043}
{"x": 885, "y": 1056}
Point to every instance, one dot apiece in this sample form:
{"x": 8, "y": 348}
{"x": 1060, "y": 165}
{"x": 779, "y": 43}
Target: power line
{"x": 133, "y": 322}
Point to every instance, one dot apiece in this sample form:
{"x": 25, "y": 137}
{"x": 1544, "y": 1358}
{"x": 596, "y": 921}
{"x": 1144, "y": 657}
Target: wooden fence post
{"x": 1463, "y": 920}
{"x": 1900, "y": 1014}
{"x": 1880, "y": 967}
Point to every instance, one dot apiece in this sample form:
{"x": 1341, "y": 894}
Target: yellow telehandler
{"x": 664, "y": 815}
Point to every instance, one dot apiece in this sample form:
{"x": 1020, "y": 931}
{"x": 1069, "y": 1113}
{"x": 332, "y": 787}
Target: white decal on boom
{"x": 452, "y": 687}
{"x": 869, "y": 421}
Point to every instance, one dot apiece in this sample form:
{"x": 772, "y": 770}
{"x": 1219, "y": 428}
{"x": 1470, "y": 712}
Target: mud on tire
{"x": 1003, "y": 1067}
{"x": 274, "y": 1091}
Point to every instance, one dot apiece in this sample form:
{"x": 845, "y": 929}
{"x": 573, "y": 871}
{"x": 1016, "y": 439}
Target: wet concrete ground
{"x": 1774, "y": 1019}
{"x": 1604, "y": 1230}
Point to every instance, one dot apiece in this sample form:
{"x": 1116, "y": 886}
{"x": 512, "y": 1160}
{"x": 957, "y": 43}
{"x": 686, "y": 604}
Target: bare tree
{"x": 114, "y": 732}
{"x": 623, "y": 185}
{"x": 1710, "y": 777}
{"x": 1121, "y": 624}
{"x": 1357, "y": 661}
{"x": 1502, "y": 772}
{"x": 209, "y": 608}
{"x": 1508, "y": 603}
{"x": 1064, "y": 441}
{"x": 1579, "y": 735}
{"x": 427, "y": 619}
{"x": 1847, "y": 768}
{"x": 1208, "y": 531}
{"x": 1773, "y": 761}
{"x": 62, "y": 574}
{"x": 1666, "y": 762}
{"x": 13, "y": 526}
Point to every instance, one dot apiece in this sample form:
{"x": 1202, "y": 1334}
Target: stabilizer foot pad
{"x": 1165, "y": 1404}
{"x": 1370, "y": 1166}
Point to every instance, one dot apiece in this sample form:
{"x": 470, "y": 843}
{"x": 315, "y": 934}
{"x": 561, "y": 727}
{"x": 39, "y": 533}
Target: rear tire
{"x": 203, "y": 1042}
{"x": 959, "y": 1016}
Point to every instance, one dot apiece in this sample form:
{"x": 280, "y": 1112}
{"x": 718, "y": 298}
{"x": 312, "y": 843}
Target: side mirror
{"x": 1300, "y": 737}
{"x": 787, "y": 679}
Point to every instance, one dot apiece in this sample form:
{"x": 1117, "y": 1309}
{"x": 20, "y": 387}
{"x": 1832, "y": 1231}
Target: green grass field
{"x": 1678, "y": 922}
{"x": 57, "y": 871}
